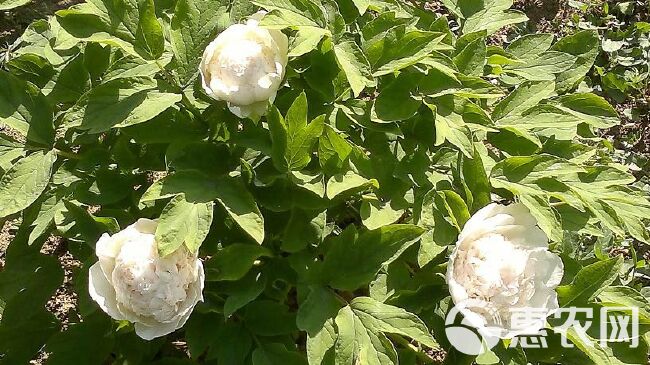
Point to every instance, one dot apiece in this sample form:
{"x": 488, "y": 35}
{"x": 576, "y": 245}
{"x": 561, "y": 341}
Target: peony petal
{"x": 475, "y": 223}
{"x": 146, "y": 226}
{"x": 240, "y": 111}
{"x": 149, "y": 332}
{"x": 108, "y": 246}
{"x": 282, "y": 42}
{"x": 521, "y": 214}
{"x": 523, "y": 236}
{"x": 535, "y": 237}
{"x": 254, "y": 19}
{"x": 548, "y": 267}
{"x": 102, "y": 292}
{"x": 266, "y": 81}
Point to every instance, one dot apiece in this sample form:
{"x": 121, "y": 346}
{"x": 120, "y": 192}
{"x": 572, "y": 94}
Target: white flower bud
{"x": 244, "y": 66}
{"x": 131, "y": 282}
{"x": 501, "y": 268}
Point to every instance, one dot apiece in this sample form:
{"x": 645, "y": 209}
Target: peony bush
{"x": 311, "y": 182}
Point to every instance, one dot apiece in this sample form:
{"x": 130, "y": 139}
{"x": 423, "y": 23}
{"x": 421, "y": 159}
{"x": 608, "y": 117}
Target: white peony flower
{"x": 501, "y": 274}
{"x": 131, "y": 282}
{"x": 245, "y": 66}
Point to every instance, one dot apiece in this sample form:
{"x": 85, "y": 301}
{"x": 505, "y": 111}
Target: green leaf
{"x": 201, "y": 331}
{"x": 233, "y": 345}
{"x": 390, "y": 319}
{"x": 228, "y": 191}
{"x": 491, "y": 16}
{"x": 27, "y": 282}
{"x": 24, "y": 108}
{"x": 245, "y": 291}
{"x": 149, "y": 34}
{"x": 333, "y": 151}
{"x": 275, "y": 353}
{"x": 600, "y": 355}
{"x": 93, "y": 335}
{"x": 544, "y": 120}
{"x": 308, "y": 182}
{"x": 195, "y": 23}
{"x": 296, "y": 12}
{"x": 233, "y": 261}
{"x": 453, "y": 207}
{"x": 25, "y": 181}
{"x": 355, "y": 66}
{"x": 439, "y": 231}
{"x": 396, "y": 100}
{"x": 626, "y": 297}
{"x": 303, "y": 228}
{"x": 129, "y": 24}
{"x": 530, "y": 45}
{"x": 306, "y": 40}
{"x": 10, "y": 4}
{"x": 362, "y": 327}
{"x": 471, "y": 59}
{"x": 70, "y": 84}
{"x": 592, "y": 109}
{"x": 589, "y": 282}
{"x": 46, "y": 212}
{"x": 584, "y": 46}
{"x": 183, "y": 222}
{"x": 122, "y": 66}
{"x": 475, "y": 181}
{"x": 374, "y": 214}
{"x": 455, "y": 132}
{"x": 293, "y": 139}
{"x": 544, "y": 67}
{"x": 357, "y": 344}
{"x": 319, "y": 344}
{"x": 522, "y": 169}
{"x": 10, "y": 150}
{"x": 545, "y": 215}
{"x": 241, "y": 206}
{"x": 76, "y": 223}
{"x": 131, "y": 101}
{"x": 404, "y": 50}
{"x": 269, "y": 318}
{"x": 169, "y": 126}
{"x": 361, "y": 5}
{"x": 319, "y": 306}
{"x": 524, "y": 97}
{"x": 196, "y": 187}
{"x": 360, "y": 256}
{"x": 348, "y": 184}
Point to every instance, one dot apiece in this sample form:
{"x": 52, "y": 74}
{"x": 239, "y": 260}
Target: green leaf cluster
{"x": 325, "y": 226}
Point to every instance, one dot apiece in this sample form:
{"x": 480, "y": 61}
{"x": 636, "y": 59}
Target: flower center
{"x": 149, "y": 285}
{"x": 491, "y": 267}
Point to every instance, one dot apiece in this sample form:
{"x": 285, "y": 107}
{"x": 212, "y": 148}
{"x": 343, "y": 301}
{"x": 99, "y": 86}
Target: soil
{"x": 14, "y": 22}
{"x": 8, "y": 230}
{"x": 550, "y": 16}
{"x": 63, "y": 303}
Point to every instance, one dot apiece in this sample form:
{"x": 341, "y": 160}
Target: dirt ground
{"x": 13, "y": 22}
{"x": 545, "y": 16}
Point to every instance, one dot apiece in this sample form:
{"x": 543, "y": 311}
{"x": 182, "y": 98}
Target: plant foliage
{"x": 325, "y": 226}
